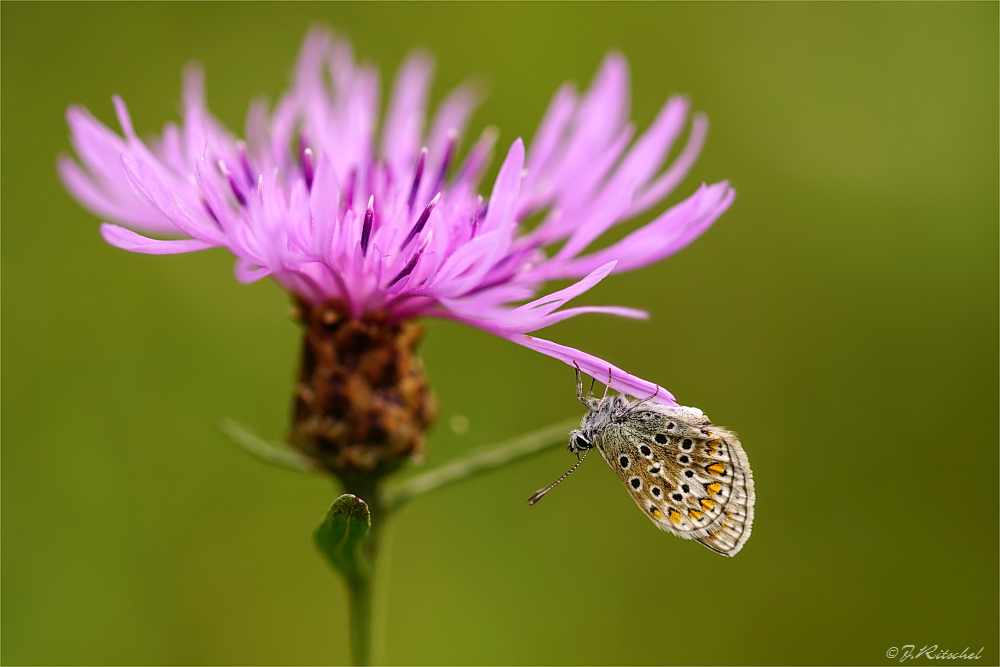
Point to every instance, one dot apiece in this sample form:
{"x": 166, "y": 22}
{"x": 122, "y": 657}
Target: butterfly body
{"x": 690, "y": 477}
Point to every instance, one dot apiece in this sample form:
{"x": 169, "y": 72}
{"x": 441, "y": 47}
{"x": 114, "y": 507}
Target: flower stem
{"x": 350, "y": 535}
{"x": 359, "y": 590}
{"x": 361, "y": 582}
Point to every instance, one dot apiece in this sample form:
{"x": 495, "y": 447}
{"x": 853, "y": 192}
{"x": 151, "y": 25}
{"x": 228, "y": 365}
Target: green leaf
{"x": 265, "y": 451}
{"x": 489, "y": 458}
{"x": 342, "y": 532}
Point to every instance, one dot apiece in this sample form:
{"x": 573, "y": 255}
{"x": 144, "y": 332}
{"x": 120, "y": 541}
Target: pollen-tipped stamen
{"x": 449, "y": 153}
{"x": 366, "y": 228}
{"x": 211, "y": 213}
{"x": 308, "y": 167}
{"x": 421, "y": 221}
{"x": 418, "y": 173}
{"x": 233, "y": 185}
{"x": 241, "y": 152}
{"x": 476, "y": 216}
{"x": 408, "y": 269}
{"x": 348, "y": 201}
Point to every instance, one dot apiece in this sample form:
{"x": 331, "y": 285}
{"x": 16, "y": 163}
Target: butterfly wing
{"x": 689, "y": 477}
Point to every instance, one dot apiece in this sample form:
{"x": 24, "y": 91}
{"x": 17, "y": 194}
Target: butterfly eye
{"x": 582, "y": 442}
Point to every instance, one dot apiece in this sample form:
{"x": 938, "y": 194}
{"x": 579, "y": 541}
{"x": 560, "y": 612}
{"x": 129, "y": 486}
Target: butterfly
{"x": 690, "y": 477}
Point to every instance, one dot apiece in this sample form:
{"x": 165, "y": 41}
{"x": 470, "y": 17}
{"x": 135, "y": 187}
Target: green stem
{"x": 350, "y": 533}
{"x": 359, "y": 590}
{"x": 360, "y": 586}
{"x": 382, "y": 503}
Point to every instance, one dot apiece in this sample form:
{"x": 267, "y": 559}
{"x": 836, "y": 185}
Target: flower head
{"x": 391, "y": 223}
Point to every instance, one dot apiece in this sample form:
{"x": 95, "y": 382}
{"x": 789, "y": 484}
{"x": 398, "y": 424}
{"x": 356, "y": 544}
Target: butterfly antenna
{"x": 537, "y": 495}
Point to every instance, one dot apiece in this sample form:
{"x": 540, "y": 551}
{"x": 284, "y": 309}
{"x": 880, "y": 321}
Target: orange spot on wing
{"x": 707, "y": 504}
{"x": 715, "y": 488}
{"x": 658, "y": 514}
{"x": 716, "y": 469}
{"x": 675, "y": 517}
{"x": 694, "y": 514}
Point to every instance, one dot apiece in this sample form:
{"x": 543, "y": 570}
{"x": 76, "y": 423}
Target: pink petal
{"x": 87, "y": 193}
{"x": 670, "y": 179}
{"x": 650, "y": 150}
{"x": 98, "y": 147}
{"x": 470, "y": 263}
{"x": 452, "y": 114}
{"x": 597, "y": 368}
{"x": 213, "y": 197}
{"x": 129, "y": 240}
{"x": 605, "y": 212}
{"x": 550, "y": 131}
{"x": 324, "y": 203}
{"x": 673, "y": 230}
{"x": 248, "y": 272}
{"x": 153, "y": 191}
{"x": 550, "y": 302}
{"x": 479, "y": 156}
{"x": 405, "y": 115}
{"x": 603, "y": 111}
{"x": 582, "y": 175}
{"x": 567, "y": 313}
{"x": 506, "y": 188}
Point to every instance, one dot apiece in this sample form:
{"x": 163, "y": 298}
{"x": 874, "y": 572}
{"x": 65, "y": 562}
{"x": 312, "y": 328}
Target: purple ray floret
{"x": 331, "y": 212}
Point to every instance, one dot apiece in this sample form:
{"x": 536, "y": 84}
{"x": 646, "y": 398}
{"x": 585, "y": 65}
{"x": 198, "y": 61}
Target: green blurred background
{"x": 842, "y": 317}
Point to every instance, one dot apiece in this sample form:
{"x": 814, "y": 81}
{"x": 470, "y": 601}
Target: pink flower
{"x": 393, "y": 222}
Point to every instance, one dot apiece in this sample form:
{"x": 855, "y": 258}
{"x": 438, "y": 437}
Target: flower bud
{"x": 363, "y": 401}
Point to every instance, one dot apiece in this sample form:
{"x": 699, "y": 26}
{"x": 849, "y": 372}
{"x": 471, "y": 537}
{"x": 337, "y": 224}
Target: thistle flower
{"x": 369, "y": 230}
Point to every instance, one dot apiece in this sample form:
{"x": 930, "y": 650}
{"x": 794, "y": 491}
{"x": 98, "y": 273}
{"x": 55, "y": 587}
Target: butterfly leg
{"x": 645, "y": 400}
{"x": 579, "y": 387}
{"x": 607, "y": 386}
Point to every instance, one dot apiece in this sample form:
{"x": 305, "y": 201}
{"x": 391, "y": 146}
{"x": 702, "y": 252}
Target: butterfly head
{"x": 579, "y": 442}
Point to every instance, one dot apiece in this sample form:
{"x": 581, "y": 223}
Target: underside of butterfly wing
{"x": 689, "y": 477}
